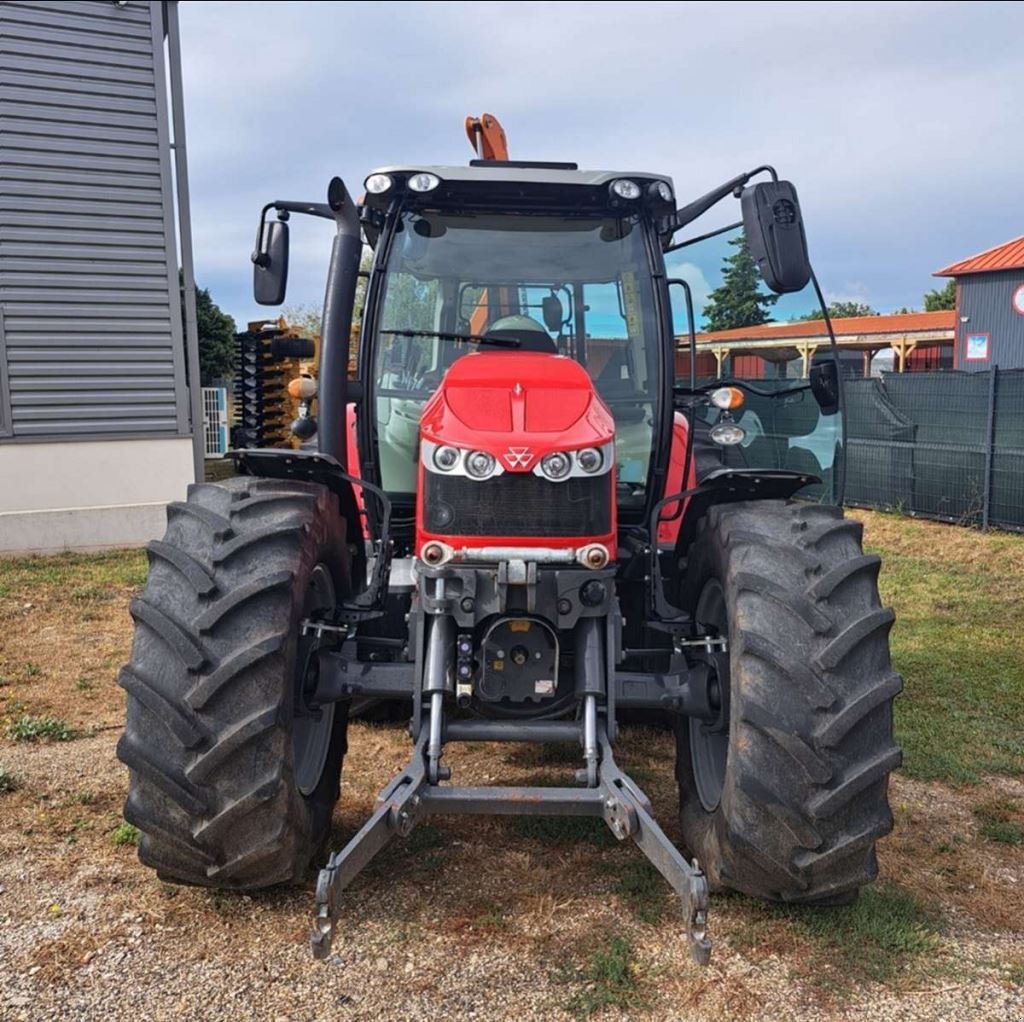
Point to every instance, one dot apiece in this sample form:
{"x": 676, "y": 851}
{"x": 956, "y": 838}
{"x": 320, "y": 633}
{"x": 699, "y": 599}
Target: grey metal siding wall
{"x": 985, "y": 299}
{"x": 88, "y": 264}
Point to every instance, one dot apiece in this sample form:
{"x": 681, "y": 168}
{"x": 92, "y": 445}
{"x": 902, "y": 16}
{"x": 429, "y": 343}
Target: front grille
{"x": 517, "y": 504}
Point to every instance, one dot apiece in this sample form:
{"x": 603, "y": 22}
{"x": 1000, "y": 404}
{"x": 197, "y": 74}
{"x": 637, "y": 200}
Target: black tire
{"x": 802, "y": 787}
{"x": 214, "y": 773}
{"x": 292, "y": 347}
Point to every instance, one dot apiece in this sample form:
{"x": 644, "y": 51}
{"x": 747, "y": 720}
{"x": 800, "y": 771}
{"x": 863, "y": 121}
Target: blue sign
{"x": 977, "y": 346}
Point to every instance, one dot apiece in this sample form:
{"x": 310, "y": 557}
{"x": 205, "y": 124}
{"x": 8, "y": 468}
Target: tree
{"x": 216, "y": 331}
{"x": 305, "y": 319}
{"x": 839, "y": 310}
{"x": 308, "y": 319}
{"x": 943, "y": 298}
{"x": 739, "y": 301}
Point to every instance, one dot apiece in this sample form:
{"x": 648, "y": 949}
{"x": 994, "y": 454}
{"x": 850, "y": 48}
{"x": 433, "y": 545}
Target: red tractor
{"x": 527, "y": 516}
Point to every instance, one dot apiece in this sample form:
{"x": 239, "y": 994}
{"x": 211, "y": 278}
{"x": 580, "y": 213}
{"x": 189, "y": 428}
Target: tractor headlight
{"x": 625, "y": 189}
{"x": 480, "y": 464}
{"x": 556, "y": 465}
{"x": 661, "y": 190}
{"x": 378, "y": 184}
{"x": 726, "y": 398}
{"x": 424, "y": 182}
{"x": 590, "y": 460}
{"x": 446, "y": 459}
{"x": 728, "y": 434}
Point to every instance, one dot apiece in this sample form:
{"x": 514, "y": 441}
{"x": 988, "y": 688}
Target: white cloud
{"x": 899, "y": 122}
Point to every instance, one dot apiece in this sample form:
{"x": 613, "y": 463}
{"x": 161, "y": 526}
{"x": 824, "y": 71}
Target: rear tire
{"x": 229, "y": 786}
{"x": 788, "y": 803}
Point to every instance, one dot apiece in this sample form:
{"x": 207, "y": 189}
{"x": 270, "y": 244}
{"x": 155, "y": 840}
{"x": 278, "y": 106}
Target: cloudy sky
{"x": 900, "y": 123}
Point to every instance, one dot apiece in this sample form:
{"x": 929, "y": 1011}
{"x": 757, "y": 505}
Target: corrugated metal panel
{"x": 1008, "y": 256}
{"x": 986, "y": 303}
{"x": 88, "y": 266}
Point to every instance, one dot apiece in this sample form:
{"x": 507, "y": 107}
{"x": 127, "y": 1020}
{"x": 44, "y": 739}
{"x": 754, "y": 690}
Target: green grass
{"x": 8, "y": 782}
{"x": 956, "y": 595}
{"x": 125, "y": 834}
{"x": 608, "y": 979}
{"x": 642, "y": 888}
{"x": 996, "y": 822}
{"x": 874, "y": 939}
{"x": 542, "y": 754}
{"x": 28, "y": 728}
{"x": 562, "y": 830}
{"x": 84, "y": 576}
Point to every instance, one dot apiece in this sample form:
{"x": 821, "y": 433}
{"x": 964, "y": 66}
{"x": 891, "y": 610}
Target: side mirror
{"x": 775, "y": 235}
{"x": 825, "y": 386}
{"x": 270, "y": 263}
{"x": 551, "y": 308}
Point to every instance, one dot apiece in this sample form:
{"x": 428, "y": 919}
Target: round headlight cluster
{"x": 446, "y": 459}
{"x": 475, "y": 464}
{"x": 661, "y": 190}
{"x": 590, "y": 460}
{"x": 424, "y": 182}
{"x": 556, "y": 465}
{"x": 378, "y": 184}
{"x": 559, "y": 465}
{"x": 727, "y": 434}
{"x": 625, "y": 189}
{"x": 480, "y": 464}
{"x": 726, "y": 398}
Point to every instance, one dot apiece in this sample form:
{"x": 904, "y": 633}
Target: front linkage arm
{"x": 615, "y": 798}
{"x": 627, "y": 811}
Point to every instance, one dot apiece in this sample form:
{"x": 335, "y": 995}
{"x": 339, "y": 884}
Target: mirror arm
{"x": 286, "y": 206}
{"x": 690, "y": 212}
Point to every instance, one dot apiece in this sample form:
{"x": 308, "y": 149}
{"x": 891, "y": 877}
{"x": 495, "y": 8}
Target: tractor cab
{"x": 500, "y": 258}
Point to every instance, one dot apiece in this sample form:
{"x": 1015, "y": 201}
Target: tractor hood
{"x": 489, "y": 400}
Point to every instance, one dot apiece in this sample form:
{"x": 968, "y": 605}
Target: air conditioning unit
{"x": 215, "y": 421}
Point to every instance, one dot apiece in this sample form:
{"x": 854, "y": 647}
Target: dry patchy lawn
{"x": 516, "y": 919}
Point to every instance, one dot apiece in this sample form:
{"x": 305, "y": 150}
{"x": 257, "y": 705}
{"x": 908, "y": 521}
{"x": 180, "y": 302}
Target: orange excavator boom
{"x": 487, "y": 137}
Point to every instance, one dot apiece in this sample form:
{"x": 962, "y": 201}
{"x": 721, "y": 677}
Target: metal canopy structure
{"x": 783, "y": 342}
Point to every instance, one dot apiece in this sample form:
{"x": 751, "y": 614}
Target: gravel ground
{"x": 469, "y": 920}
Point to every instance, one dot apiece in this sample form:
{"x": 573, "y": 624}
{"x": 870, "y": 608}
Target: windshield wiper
{"x": 498, "y": 342}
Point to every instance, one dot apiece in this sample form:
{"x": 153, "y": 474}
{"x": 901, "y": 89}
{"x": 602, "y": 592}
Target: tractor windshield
{"x": 585, "y": 283}
{"x": 766, "y": 344}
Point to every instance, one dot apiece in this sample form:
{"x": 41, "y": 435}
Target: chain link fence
{"x": 946, "y": 445}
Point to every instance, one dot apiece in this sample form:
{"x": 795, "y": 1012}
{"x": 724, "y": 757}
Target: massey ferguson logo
{"x": 518, "y": 457}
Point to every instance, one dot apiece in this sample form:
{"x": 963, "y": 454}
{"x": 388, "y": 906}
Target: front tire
{"x": 787, "y": 800}
{"x": 230, "y": 784}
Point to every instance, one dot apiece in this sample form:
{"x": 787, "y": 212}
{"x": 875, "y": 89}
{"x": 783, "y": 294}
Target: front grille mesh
{"x": 517, "y": 504}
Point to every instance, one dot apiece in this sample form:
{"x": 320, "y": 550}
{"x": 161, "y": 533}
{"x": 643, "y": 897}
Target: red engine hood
{"x": 489, "y": 400}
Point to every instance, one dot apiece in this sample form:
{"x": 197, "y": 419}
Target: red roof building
{"x": 1008, "y": 256}
{"x": 911, "y": 335}
{"x": 990, "y": 307}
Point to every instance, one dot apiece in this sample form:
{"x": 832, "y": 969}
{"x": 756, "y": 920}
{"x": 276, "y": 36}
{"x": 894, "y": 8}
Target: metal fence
{"x": 946, "y": 445}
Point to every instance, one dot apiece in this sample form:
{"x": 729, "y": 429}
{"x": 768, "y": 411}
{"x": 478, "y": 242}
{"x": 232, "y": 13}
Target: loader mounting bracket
{"x": 615, "y": 798}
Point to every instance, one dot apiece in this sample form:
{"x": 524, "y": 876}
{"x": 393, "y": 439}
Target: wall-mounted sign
{"x": 1018, "y": 300}
{"x": 976, "y": 347}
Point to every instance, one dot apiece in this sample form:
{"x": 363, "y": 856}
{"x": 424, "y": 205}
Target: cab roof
{"x": 522, "y": 172}
{"x": 520, "y": 185}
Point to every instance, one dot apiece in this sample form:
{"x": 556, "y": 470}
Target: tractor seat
{"x": 530, "y": 334}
